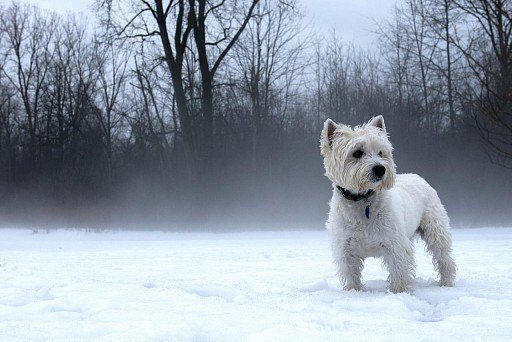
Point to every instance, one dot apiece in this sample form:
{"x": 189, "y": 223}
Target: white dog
{"x": 376, "y": 213}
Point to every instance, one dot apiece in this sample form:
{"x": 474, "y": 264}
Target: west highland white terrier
{"x": 375, "y": 212}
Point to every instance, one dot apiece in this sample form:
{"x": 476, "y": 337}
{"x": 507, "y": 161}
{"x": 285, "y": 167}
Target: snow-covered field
{"x": 260, "y": 286}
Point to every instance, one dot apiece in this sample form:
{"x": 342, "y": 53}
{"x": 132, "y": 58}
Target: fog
{"x": 110, "y": 128}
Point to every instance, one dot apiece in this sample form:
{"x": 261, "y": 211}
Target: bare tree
{"x": 172, "y": 23}
{"x": 29, "y": 37}
{"x": 8, "y": 112}
{"x": 155, "y": 109}
{"x": 268, "y": 58}
{"x": 425, "y": 46}
{"x": 224, "y": 16}
{"x": 112, "y": 60}
{"x": 175, "y": 21}
{"x": 442, "y": 18}
{"x": 397, "y": 53}
{"x": 487, "y": 47}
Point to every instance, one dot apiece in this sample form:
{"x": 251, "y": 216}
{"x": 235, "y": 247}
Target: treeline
{"x": 174, "y": 113}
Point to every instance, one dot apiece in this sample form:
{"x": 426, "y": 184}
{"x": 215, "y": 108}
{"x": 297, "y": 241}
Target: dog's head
{"x": 358, "y": 158}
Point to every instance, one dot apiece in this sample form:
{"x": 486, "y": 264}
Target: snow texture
{"x": 123, "y": 286}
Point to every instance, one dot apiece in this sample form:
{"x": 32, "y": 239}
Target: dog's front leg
{"x": 350, "y": 273}
{"x": 349, "y": 266}
{"x": 399, "y": 261}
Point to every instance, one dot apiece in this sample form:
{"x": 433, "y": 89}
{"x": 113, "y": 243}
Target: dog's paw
{"x": 357, "y": 287}
{"x": 399, "y": 288}
{"x": 446, "y": 282}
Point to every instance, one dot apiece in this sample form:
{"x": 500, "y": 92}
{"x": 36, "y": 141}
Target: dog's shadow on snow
{"x": 427, "y": 290}
{"x": 376, "y": 286}
{"x": 381, "y": 286}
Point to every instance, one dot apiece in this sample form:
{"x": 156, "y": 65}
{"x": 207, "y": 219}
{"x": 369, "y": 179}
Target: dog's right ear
{"x": 327, "y": 135}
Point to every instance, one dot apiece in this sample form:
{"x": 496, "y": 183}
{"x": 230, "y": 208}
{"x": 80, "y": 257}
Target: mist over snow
{"x": 104, "y": 129}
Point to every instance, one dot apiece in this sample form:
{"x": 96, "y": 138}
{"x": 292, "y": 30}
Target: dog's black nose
{"x": 379, "y": 170}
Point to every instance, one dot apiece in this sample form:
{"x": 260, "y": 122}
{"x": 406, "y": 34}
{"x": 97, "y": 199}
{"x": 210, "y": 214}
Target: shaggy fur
{"x": 401, "y": 207}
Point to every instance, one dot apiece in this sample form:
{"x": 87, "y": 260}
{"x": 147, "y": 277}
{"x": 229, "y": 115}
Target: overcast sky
{"x": 353, "y": 20}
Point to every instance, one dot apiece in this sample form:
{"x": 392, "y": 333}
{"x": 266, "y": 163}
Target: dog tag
{"x": 367, "y": 211}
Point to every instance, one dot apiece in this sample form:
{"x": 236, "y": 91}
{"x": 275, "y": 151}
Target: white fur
{"x": 401, "y": 207}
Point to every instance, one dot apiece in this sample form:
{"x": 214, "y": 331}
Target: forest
{"x": 206, "y": 115}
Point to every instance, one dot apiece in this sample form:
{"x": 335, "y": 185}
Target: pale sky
{"x": 353, "y": 20}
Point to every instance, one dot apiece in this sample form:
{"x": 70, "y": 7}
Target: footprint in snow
{"x": 148, "y": 284}
{"x": 213, "y": 290}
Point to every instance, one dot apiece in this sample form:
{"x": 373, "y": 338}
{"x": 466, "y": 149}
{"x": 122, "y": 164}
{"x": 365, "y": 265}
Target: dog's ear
{"x": 378, "y": 121}
{"x": 327, "y": 135}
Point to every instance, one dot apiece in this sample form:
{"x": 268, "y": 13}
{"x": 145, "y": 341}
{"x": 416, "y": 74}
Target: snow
{"x": 122, "y": 286}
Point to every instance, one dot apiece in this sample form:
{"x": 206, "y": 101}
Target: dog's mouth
{"x": 369, "y": 184}
{"x": 373, "y": 182}
{"x": 377, "y": 179}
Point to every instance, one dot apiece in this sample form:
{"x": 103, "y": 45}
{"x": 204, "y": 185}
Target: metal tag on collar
{"x": 367, "y": 209}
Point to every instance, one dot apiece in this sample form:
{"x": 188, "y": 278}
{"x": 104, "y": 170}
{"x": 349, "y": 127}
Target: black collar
{"x": 357, "y": 197}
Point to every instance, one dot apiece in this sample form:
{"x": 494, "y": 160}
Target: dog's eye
{"x": 380, "y": 154}
{"x": 357, "y": 154}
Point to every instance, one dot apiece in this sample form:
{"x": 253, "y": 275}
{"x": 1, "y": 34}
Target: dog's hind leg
{"x": 435, "y": 231}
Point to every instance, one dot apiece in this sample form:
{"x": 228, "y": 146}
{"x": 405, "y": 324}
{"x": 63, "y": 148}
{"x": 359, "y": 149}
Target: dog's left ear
{"x": 378, "y": 121}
